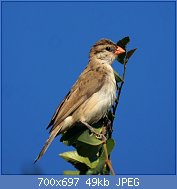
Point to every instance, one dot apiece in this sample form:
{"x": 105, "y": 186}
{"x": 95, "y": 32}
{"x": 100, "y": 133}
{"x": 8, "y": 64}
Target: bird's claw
{"x": 101, "y": 136}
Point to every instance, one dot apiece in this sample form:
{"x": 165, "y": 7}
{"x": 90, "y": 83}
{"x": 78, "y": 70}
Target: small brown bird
{"x": 91, "y": 96}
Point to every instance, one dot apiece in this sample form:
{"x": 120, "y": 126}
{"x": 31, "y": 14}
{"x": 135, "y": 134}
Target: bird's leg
{"x": 99, "y": 135}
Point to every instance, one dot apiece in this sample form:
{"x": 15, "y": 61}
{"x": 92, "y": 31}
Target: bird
{"x": 92, "y": 95}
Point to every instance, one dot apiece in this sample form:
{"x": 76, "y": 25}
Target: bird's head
{"x": 105, "y": 51}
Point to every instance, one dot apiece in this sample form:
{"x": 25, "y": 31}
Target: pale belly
{"x": 98, "y": 104}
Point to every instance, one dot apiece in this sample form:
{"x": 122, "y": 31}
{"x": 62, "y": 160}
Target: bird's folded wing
{"x": 89, "y": 82}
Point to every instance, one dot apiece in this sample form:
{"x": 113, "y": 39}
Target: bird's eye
{"x": 108, "y": 48}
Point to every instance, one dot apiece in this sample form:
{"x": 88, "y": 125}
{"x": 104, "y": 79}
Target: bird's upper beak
{"x": 119, "y": 50}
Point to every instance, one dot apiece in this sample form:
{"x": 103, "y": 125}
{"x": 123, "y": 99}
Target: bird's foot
{"x": 98, "y": 135}
{"x": 101, "y": 136}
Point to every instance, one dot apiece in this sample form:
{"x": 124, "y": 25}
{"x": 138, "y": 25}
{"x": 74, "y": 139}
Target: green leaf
{"x": 88, "y": 145}
{"x": 71, "y": 172}
{"x": 100, "y": 166}
{"x": 98, "y": 169}
{"x": 130, "y": 53}
{"x": 70, "y": 136}
{"x": 121, "y": 58}
{"x": 90, "y": 139}
{"x": 89, "y": 151}
{"x": 117, "y": 77}
{"x": 74, "y": 158}
{"x": 110, "y": 145}
{"x": 123, "y": 42}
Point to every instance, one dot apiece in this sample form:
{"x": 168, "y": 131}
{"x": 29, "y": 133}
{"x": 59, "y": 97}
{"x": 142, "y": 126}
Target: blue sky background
{"x": 44, "y": 49}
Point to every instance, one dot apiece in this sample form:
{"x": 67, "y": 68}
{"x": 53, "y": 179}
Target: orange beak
{"x": 119, "y": 50}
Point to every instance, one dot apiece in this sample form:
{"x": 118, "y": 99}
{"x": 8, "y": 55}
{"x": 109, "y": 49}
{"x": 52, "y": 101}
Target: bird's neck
{"x": 95, "y": 60}
{"x": 100, "y": 66}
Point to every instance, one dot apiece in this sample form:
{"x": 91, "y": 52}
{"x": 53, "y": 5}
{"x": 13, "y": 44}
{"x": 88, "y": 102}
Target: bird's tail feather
{"x": 48, "y": 142}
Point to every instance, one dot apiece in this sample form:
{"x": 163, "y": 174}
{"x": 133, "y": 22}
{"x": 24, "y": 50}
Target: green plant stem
{"x": 107, "y": 161}
{"x": 120, "y": 88}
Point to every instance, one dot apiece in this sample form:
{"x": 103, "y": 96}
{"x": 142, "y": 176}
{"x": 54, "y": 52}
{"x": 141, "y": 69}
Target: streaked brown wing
{"x": 89, "y": 82}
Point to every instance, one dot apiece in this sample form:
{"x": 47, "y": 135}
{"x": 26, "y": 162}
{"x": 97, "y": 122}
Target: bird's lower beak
{"x": 119, "y": 50}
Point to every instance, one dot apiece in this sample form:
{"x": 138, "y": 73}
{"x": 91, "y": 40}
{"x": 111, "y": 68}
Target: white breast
{"x": 109, "y": 89}
{"x": 99, "y": 103}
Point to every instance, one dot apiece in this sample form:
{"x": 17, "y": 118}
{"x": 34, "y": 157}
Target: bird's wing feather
{"x": 89, "y": 82}
{"x": 56, "y": 112}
